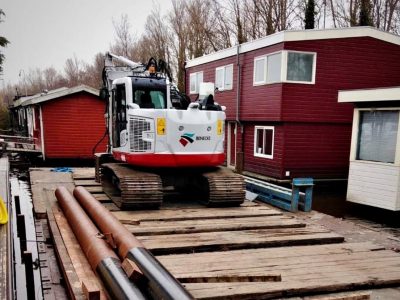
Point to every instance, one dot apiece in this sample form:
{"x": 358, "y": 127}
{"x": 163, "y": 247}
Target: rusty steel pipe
{"x": 163, "y": 284}
{"x": 101, "y": 258}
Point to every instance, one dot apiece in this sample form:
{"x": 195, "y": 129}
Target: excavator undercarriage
{"x": 133, "y": 188}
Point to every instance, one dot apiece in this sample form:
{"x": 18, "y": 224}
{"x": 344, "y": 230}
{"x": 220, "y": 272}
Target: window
{"x": 285, "y": 66}
{"x": 224, "y": 77}
{"x": 264, "y": 141}
{"x": 259, "y": 70}
{"x": 274, "y": 63}
{"x": 377, "y": 138}
{"x": 300, "y": 66}
{"x": 195, "y": 80}
{"x": 267, "y": 69}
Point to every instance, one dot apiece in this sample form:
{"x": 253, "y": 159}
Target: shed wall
{"x": 73, "y": 125}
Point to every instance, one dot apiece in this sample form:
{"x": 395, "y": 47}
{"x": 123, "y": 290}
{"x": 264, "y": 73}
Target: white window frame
{"x": 270, "y": 156}
{"x": 284, "y": 66}
{"x": 264, "y": 81}
{"x": 355, "y": 135}
{"x": 223, "y": 68}
{"x": 194, "y": 75}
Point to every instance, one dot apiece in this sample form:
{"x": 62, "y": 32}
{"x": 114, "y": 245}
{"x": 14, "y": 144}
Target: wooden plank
{"x": 71, "y": 278}
{"x": 94, "y": 189}
{"x": 304, "y": 269}
{"x": 86, "y": 182}
{"x": 230, "y": 224}
{"x": 90, "y": 290}
{"x": 102, "y": 198}
{"x": 342, "y": 296}
{"x": 228, "y": 240}
{"x": 78, "y": 259}
{"x": 83, "y": 173}
{"x": 196, "y": 213}
{"x": 43, "y": 184}
{"x": 5, "y": 234}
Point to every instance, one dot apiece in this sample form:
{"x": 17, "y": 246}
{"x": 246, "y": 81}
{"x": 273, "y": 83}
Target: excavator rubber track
{"x": 131, "y": 189}
{"x": 225, "y": 188}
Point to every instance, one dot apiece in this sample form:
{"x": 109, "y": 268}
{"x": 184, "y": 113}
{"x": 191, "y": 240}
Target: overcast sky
{"x": 44, "y": 33}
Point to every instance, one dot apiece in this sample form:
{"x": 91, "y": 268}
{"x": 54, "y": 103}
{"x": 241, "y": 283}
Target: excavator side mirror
{"x": 104, "y": 95}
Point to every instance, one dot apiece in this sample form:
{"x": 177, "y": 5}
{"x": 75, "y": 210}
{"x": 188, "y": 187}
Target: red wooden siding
{"x": 317, "y": 150}
{"x": 73, "y": 125}
{"x": 228, "y": 97}
{"x": 352, "y": 63}
{"x": 261, "y": 165}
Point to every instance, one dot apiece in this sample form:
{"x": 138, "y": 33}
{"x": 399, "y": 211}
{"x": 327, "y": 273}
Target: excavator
{"x": 159, "y": 142}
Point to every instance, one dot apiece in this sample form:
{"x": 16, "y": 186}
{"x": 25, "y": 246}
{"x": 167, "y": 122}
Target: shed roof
{"x": 53, "y": 94}
{"x": 370, "y": 95}
{"x": 297, "y": 35}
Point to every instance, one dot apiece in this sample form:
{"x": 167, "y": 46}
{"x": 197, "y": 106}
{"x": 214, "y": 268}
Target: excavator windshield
{"x": 147, "y": 98}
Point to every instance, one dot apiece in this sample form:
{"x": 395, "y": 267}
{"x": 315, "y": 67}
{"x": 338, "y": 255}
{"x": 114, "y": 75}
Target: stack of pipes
{"x": 83, "y": 213}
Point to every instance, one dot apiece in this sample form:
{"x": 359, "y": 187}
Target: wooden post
{"x": 21, "y": 233}
{"x": 30, "y": 280}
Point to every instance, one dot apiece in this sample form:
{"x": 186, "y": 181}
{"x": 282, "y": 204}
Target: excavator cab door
{"x": 119, "y": 119}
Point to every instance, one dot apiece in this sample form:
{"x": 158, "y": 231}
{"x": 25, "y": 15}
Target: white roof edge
{"x": 369, "y": 95}
{"x": 59, "y": 93}
{"x": 297, "y": 35}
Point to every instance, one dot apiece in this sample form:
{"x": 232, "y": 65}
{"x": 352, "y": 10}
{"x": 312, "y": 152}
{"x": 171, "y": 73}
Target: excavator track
{"x": 225, "y": 188}
{"x": 131, "y": 189}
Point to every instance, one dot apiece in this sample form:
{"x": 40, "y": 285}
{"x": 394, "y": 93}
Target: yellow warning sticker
{"x": 219, "y": 127}
{"x": 161, "y": 126}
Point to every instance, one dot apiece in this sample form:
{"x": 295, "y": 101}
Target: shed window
{"x": 195, "y": 80}
{"x": 300, "y": 66}
{"x": 224, "y": 77}
{"x": 264, "y": 141}
{"x": 377, "y": 137}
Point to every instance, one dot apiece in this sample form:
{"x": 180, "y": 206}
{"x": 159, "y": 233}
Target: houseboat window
{"x": 195, "y": 80}
{"x": 224, "y": 77}
{"x": 264, "y": 141}
{"x": 377, "y": 137}
{"x": 274, "y": 65}
{"x": 259, "y": 70}
{"x": 300, "y": 66}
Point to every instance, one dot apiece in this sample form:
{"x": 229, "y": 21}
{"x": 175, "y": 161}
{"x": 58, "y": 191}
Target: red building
{"x": 65, "y": 123}
{"x": 289, "y": 123}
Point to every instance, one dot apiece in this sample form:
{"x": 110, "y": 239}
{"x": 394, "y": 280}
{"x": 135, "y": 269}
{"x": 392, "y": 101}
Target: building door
{"x": 231, "y": 144}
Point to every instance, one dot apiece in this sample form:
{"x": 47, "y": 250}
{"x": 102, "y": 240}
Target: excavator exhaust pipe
{"x": 162, "y": 283}
{"x": 100, "y": 256}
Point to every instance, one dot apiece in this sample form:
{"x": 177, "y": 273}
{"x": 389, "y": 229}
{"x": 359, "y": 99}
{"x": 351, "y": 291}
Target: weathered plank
{"x": 83, "y": 173}
{"x": 196, "y": 213}
{"x": 245, "y": 239}
{"x": 227, "y": 224}
{"x": 5, "y": 234}
{"x": 78, "y": 259}
{"x": 43, "y": 184}
{"x": 71, "y": 278}
{"x": 304, "y": 269}
{"x": 86, "y": 182}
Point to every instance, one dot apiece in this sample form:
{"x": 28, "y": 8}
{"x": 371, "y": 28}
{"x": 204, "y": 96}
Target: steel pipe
{"x": 101, "y": 258}
{"x": 163, "y": 284}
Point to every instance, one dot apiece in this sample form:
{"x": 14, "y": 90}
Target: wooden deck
{"x": 248, "y": 252}
{"x": 5, "y": 235}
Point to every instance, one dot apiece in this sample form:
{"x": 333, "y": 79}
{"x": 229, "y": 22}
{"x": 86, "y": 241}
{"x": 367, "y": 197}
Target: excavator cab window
{"x": 146, "y": 98}
{"x": 119, "y": 113}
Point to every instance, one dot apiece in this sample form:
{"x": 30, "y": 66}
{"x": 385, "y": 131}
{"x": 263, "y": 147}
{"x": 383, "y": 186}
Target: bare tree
{"x": 124, "y": 39}
{"x": 74, "y": 71}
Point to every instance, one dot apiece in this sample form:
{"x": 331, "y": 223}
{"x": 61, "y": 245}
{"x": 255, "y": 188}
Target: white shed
{"x": 374, "y": 174}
